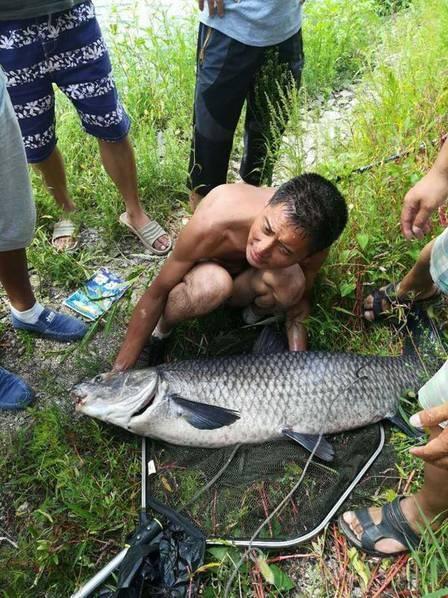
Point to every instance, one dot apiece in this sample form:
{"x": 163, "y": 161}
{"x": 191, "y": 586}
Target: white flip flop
{"x": 64, "y": 228}
{"x": 148, "y": 234}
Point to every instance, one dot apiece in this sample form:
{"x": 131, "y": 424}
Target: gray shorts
{"x": 17, "y": 211}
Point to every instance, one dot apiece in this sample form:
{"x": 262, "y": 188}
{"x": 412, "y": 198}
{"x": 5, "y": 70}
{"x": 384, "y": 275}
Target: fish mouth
{"x": 79, "y": 397}
{"x": 143, "y": 407}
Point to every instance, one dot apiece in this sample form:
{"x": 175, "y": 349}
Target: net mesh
{"x": 254, "y": 480}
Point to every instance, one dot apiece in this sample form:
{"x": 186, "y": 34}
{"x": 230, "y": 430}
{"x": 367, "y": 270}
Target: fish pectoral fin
{"x": 324, "y": 450}
{"x": 204, "y": 416}
{"x": 399, "y": 421}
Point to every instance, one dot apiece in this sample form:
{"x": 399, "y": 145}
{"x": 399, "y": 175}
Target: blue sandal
{"x": 14, "y": 392}
{"x": 393, "y": 526}
{"x": 54, "y": 326}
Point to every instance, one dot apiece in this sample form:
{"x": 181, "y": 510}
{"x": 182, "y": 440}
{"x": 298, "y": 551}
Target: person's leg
{"x": 52, "y": 170}
{"x": 91, "y": 89}
{"x": 33, "y": 100}
{"x": 266, "y": 113}
{"x": 119, "y": 162}
{"x": 15, "y": 280}
{"x": 224, "y": 69}
{"x": 17, "y": 219}
{"x": 417, "y": 284}
{"x": 430, "y": 504}
{"x": 204, "y": 288}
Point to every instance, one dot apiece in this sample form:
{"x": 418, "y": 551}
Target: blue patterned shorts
{"x": 65, "y": 48}
{"x": 439, "y": 262}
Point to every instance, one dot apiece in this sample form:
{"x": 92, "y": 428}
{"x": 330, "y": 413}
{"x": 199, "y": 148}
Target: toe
{"x": 352, "y": 521}
{"x": 162, "y": 243}
{"x": 63, "y": 243}
{"x": 368, "y": 302}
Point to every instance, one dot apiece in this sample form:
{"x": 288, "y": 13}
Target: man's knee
{"x": 211, "y": 284}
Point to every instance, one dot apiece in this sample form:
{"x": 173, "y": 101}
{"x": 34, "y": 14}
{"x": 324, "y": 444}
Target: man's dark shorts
{"x": 227, "y": 73}
{"x": 65, "y": 48}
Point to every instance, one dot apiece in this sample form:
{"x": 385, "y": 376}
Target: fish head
{"x": 116, "y": 397}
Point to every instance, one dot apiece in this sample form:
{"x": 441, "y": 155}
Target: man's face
{"x": 274, "y": 242}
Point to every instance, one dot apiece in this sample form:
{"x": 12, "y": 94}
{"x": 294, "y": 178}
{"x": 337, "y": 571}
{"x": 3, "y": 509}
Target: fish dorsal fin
{"x": 202, "y": 415}
{"x": 324, "y": 449}
{"x": 270, "y": 341}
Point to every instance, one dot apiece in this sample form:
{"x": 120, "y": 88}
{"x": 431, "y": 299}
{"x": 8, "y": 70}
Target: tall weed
{"x": 338, "y": 34}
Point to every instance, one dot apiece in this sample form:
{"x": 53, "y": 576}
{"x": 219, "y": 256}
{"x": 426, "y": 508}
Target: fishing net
{"x": 229, "y": 492}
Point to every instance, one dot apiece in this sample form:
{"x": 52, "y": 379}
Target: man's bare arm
{"x": 191, "y": 246}
{"x": 299, "y": 313}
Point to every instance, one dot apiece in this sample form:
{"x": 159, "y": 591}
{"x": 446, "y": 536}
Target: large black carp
{"x": 253, "y": 398}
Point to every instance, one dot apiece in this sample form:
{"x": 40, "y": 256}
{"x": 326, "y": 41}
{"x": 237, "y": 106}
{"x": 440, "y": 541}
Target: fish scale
{"x": 309, "y": 392}
{"x": 193, "y": 402}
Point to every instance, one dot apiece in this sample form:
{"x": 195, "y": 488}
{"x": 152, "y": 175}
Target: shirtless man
{"x": 247, "y": 246}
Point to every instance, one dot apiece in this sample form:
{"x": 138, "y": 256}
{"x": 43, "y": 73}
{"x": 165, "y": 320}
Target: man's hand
{"x": 436, "y": 451}
{"x": 420, "y": 202}
{"x": 295, "y": 327}
{"x": 214, "y": 7}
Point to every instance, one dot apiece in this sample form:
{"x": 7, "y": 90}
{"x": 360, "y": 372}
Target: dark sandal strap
{"x": 393, "y": 526}
{"x": 393, "y": 515}
{"x": 377, "y": 306}
{"x": 371, "y": 532}
{"x": 389, "y": 293}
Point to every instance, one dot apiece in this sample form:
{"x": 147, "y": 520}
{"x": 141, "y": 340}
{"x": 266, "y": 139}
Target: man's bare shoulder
{"x": 231, "y": 202}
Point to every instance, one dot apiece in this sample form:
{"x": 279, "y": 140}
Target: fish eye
{"x": 98, "y": 378}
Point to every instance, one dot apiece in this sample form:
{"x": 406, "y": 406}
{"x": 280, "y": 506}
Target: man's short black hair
{"x": 314, "y": 205}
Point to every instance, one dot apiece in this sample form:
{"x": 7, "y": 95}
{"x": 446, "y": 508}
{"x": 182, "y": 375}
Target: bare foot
{"x": 64, "y": 235}
{"x": 139, "y": 220}
{"x": 386, "y": 545}
{"x": 64, "y": 243}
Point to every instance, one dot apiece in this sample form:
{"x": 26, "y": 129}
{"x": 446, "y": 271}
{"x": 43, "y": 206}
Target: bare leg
{"x": 119, "y": 162}
{"x": 53, "y": 172}
{"x": 418, "y": 280}
{"x": 15, "y": 280}
{"x": 419, "y": 509}
{"x": 416, "y": 284}
{"x": 203, "y": 289}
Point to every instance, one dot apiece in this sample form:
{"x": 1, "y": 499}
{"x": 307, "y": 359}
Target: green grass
{"x": 67, "y": 503}
{"x": 338, "y": 35}
{"x": 70, "y": 487}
